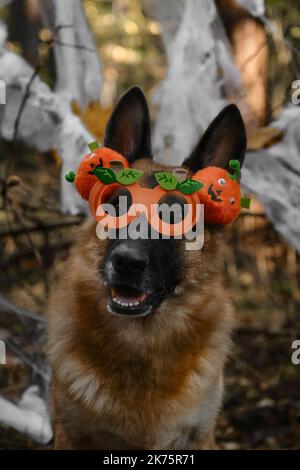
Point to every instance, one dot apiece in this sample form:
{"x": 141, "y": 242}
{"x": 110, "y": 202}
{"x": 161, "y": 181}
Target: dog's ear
{"x": 128, "y": 129}
{"x": 224, "y": 140}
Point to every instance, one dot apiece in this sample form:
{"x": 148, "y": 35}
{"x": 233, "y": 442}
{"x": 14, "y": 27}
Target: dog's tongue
{"x": 127, "y": 294}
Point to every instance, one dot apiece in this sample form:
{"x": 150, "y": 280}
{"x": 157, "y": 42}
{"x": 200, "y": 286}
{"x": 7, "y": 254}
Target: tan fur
{"x": 152, "y": 382}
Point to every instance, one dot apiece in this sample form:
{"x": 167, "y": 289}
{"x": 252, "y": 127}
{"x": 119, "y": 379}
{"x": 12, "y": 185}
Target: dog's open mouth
{"x": 127, "y": 300}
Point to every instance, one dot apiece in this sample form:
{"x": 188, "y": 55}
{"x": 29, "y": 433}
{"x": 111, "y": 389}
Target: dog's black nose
{"x": 127, "y": 259}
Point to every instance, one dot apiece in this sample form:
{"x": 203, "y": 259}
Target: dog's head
{"x": 142, "y": 273}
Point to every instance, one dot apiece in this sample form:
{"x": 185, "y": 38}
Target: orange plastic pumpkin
{"x": 220, "y": 195}
{"x": 85, "y": 179}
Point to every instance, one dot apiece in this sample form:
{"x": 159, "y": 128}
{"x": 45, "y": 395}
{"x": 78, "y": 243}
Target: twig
{"x": 12, "y": 345}
{"x": 39, "y": 226}
{"x": 60, "y": 245}
{"x": 35, "y": 250}
{"x": 249, "y": 213}
{"x": 24, "y": 100}
{"x": 62, "y": 26}
{"x": 18, "y": 216}
{"x": 31, "y": 80}
{"x": 249, "y": 330}
{"x": 254, "y": 54}
{"x": 8, "y": 307}
{"x": 74, "y": 46}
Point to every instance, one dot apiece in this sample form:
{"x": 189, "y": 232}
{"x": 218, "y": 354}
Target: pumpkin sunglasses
{"x": 104, "y": 171}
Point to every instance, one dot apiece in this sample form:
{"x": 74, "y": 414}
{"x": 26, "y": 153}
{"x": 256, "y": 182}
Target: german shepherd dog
{"x": 139, "y": 330}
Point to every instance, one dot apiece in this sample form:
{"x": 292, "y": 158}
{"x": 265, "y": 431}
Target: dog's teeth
{"x": 125, "y": 304}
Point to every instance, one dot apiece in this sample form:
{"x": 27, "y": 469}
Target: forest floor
{"x": 261, "y": 407}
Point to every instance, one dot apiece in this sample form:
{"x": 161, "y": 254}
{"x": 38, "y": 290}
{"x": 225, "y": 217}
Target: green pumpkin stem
{"x": 236, "y": 167}
{"x": 70, "y": 176}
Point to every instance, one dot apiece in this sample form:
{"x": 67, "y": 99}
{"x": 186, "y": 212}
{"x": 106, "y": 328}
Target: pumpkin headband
{"x": 128, "y": 176}
{"x": 104, "y": 170}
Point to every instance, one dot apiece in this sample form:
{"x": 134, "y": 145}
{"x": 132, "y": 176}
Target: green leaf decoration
{"x": 93, "y": 145}
{"x": 166, "y": 180}
{"x": 245, "y": 202}
{"x": 189, "y": 186}
{"x": 70, "y": 177}
{"x": 236, "y": 167}
{"x": 129, "y": 176}
{"x": 106, "y": 175}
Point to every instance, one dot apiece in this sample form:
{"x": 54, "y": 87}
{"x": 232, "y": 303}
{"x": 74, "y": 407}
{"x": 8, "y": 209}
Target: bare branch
{"x": 34, "y": 75}
{"x": 40, "y": 226}
{"x": 8, "y": 307}
{"x": 74, "y": 46}
{"x": 24, "y": 101}
{"x": 27, "y": 360}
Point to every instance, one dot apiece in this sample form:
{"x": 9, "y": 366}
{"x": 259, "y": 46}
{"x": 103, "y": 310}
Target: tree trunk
{"x": 250, "y": 48}
{"x": 78, "y": 71}
{"x": 24, "y": 27}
